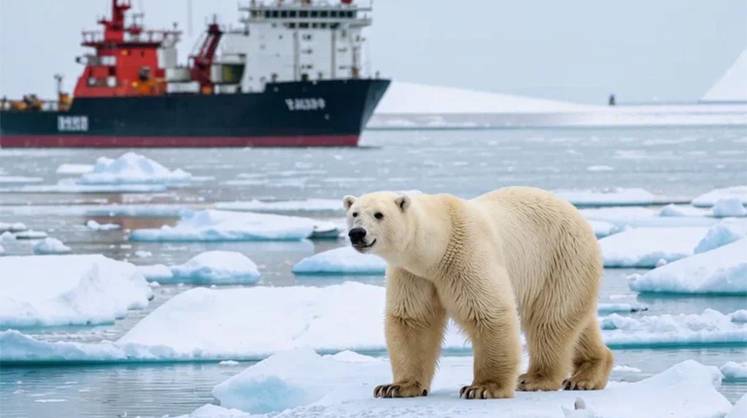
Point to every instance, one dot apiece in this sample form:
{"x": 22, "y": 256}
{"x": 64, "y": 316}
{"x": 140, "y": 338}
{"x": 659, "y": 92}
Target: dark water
{"x": 676, "y": 162}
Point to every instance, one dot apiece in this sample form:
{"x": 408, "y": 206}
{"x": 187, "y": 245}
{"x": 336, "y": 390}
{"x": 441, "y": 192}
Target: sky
{"x": 575, "y": 50}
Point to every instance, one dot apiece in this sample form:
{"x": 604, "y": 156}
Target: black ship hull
{"x": 305, "y": 113}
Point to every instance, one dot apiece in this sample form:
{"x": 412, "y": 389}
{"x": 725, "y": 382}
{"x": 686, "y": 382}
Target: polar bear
{"x": 515, "y": 257}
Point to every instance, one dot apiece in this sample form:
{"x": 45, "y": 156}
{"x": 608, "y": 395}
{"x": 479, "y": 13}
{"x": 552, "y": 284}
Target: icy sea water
{"x": 676, "y": 163}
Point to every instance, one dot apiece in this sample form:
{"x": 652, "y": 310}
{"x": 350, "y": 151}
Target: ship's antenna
{"x": 58, "y": 81}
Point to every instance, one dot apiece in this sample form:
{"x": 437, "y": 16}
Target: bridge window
{"x": 292, "y": 13}
{"x": 323, "y": 13}
{"x": 333, "y": 13}
{"x": 314, "y": 13}
{"x": 284, "y": 13}
{"x": 303, "y": 13}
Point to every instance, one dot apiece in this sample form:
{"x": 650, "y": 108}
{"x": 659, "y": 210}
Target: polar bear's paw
{"x": 533, "y": 382}
{"x": 487, "y": 390}
{"x": 407, "y": 389}
{"x": 580, "y": 381}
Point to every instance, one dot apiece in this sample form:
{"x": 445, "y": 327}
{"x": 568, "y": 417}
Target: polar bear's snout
{"x": 357, "y": 235}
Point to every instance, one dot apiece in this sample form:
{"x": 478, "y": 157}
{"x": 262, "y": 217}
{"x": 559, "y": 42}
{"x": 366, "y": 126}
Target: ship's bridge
{"x": 299, "y": 40}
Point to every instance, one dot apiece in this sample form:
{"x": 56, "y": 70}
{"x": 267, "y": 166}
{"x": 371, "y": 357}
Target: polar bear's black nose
{"x": 356, "y": 235}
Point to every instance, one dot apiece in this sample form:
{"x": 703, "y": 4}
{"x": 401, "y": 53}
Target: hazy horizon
{"x": 579, "y": 51}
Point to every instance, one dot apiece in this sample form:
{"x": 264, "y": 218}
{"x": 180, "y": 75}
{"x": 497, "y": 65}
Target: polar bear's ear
{"x": 348, "y": 201}
{"x": 403, "y": 202}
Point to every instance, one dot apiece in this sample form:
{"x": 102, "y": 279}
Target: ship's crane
{"x": 203, "y": 60}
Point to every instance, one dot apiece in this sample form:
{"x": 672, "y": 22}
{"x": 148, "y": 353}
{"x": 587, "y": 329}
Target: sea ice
{"x": 645, "y": 247}
{"x": 68, "y": 290}
{"x": 50, "y": 246}
{"x": 218, "y": 225}
{"x": 19, "y": 179}
{"x": 732, "y": 86}
{"x": 218, "y": 267}
{"x": 731, "y": 206}
{"x": 719, "y": 271}
{"x": 709, "y": 328}
{"x": 709, "y": 199}
{"x": 158, "y": 272}
{"x": 309, "y": 205}
{"x": 68, "y": 168}
{"x": 733, "y": 370}
{"x": 682, "y": 210}
{"x": 725, "y": 232}
{"x": 30, "y": 234}
{"x": 602, "y": 228}
{"x": 645, "y": 217}
{"x": 609, "y": 197}
{"x": 12, "y": 226}
{"x": 132, "y": 168}
{"x": 95, "y": 226}
{"x": 72, "y": 186}
{"x": 608, "y": 308}
{"x": 740, "y": 408}
{"x": 303, "y": 383}
{"x": 343, "y": 260}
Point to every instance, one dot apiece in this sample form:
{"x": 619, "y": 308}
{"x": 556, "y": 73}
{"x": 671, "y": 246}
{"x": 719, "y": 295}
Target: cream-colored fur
{"x": 481, "y": 261}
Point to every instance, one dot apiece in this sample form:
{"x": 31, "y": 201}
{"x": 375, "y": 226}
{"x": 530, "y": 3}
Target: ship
{"x": 291, "y": 74}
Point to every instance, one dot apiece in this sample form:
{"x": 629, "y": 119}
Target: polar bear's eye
{"x": 355, "y": 214}
{"x": 378, "y": 215}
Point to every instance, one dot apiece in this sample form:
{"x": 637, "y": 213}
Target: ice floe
{"x": 157, "y": 272}
{"x": 732, "y": 86}
{"x": 67, "y": 289}
{"x": 12, "y": 226}
{"x": 69, "y": 168}
{"x": 709, "y": 199}
{"x": 733, "y": 370}
{"x": 95, "y": 226}
{"x": 283, "y": 206}
{"x": 647, "y": 247}
{"x": 30, "y": 234}
{"x": 50, "y": 246}
{"x": 638, "y": 217}
{"x": 343, "y": 260}
{"x": 609, "y": 197}
{"x": 19, "y": 179}
{"x": 722, "y": 233}
{"x": 608, "y": 308}
{"x": 708, "y": 328}
{"x": 218, "y": 267}
{"x": 219, "y": 225}
{"x": 740, "y": 408}
{"x": 304, "y": 383}
{"x": 731, "y": 206}
{"x": 132, "y": 168}
{"x": 719, "y": 271}
{"x": 602, "y": 228}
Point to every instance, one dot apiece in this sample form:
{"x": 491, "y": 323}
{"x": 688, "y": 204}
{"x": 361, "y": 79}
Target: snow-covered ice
{"x": 610, "y": 197}
{"x": 19, "y": 179}
{"x": 608, "y": 308}
{"x": 157, "y": 272}
{"x": 69, "y": 168}
{"x": 730, "y": 206}
{"x": 95, "y": 226}
{"x": 602, "y": 228}
{"x": 708, "y": 328}
{"x": 645, "y": 247}
{"x": 710, "y": 198}
{"x": 217, "y": 267}
{"x": 648, "y": 217}
{"x": 132, "y": 168}
{"x": 219, "y": 225}
{"x": 30, "y": 234}
{"x": 68, "y": 289}
{"x": 719, "y": 271}
{"x": 50, "y": 246}
{"x": 732, "y": 86}
{"x": 73, "y": 186}
{"x": 303, "y": 383}
{"x": 733, "y": 370}
{"x": 725, "y": 232}
{"x": 740, "y": 408}
{"x": 674, "y": 210}
{"x": 12, "y": 226}
{"x": 308, "y": 205}
{"x": 343, "y": 260}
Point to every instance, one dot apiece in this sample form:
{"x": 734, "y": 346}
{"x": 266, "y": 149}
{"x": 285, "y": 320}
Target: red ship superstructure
{"x": 128, "y": 59}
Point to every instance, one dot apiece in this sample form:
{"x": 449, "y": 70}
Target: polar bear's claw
{"x": 485, "y": 391}
{"x": 401, "y": 390}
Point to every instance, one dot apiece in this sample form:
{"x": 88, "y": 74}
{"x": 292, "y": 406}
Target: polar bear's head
{"x": 378, "y": 222}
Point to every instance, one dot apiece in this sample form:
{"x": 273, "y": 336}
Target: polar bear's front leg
{"x": 415, "y": 322}
{"x": 486, "y": 310}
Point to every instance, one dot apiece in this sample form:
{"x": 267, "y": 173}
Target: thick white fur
{"x": 481, "y": 261}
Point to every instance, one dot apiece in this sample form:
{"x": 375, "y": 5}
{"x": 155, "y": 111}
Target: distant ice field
{"x": 676, "y": 164}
